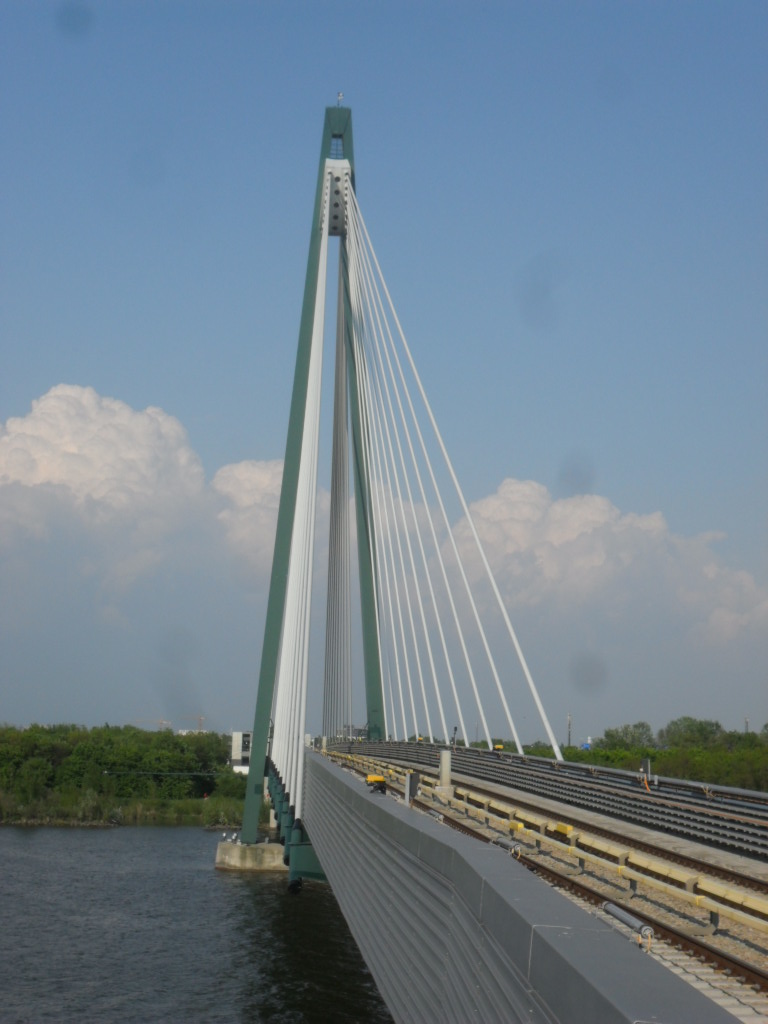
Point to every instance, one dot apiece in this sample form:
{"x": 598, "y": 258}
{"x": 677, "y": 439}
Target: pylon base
{"x": 250, "y": 857}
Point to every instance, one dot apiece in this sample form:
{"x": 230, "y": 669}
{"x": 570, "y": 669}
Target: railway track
{"x": 737, "y": 968}
{"x": 655, "y": 848}
{"x": 735, "y": 947}
{"x": 717, "y": 816}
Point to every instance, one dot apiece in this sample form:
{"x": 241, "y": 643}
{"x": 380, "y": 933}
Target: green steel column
{"x": 338, "y": 124}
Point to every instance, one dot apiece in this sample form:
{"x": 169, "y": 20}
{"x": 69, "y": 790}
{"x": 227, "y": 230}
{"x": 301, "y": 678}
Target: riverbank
{"x": 117, "y": 775}
{"x": 211, "y": 812}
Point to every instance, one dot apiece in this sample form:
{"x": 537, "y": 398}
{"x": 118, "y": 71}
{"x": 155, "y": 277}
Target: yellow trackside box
{"x": 377, "y": 783}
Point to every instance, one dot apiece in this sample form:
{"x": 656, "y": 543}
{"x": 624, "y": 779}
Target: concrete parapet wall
{"x": 454, "y": 930}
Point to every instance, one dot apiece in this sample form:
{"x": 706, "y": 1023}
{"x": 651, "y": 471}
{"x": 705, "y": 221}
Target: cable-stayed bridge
{"x": 414, "y": 617}
{"x": 433, "y": 622}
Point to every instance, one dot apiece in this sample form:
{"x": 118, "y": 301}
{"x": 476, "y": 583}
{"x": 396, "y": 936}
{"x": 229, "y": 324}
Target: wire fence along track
{"x": 733, "y": 820}
{"x": 736, "y": 968}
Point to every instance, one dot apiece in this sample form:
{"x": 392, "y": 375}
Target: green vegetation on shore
{"x": 122, "y": 775}
{"x": 687, "y": 748}
{"x": 117, "y": 775}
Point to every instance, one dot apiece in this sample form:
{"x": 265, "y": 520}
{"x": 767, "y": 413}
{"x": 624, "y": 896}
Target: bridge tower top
{"x": 337, "y": 137}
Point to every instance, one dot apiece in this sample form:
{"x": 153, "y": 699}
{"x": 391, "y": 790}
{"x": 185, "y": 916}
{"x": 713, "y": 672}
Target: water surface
{"x": 135, "y": 924}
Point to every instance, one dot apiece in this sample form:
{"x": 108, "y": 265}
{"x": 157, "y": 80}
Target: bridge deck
{"x": 454, "y": 930}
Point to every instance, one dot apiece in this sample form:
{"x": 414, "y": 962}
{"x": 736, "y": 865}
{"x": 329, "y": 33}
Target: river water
{"x": 135, "y": 924}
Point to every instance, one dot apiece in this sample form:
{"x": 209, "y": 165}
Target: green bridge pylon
{"x": 336, "y": 145}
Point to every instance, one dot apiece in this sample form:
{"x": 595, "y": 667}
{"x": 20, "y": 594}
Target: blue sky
{"x": 569, "y": 205}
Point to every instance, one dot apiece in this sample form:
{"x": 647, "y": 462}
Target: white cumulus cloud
{"x": 117, "y": 481}
{"x": 105, "y": 454}
{"x": 111, "y": 537}
{"x": 563, "y": 549}
{"x": 252, "y": 494}
{"x": 564, "y": 552}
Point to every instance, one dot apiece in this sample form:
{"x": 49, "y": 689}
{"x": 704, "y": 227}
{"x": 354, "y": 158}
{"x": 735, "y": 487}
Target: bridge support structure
{"x": 286, "y": 633}
{"x": 421, "y": 628}
{"x": 451, "y": 930}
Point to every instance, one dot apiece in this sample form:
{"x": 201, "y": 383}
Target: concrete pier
{"x": 250, "y": 857}
{"x": 444, "y": 791}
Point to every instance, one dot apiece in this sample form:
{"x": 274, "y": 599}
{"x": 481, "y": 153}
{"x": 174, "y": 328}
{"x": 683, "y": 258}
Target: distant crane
{"x": 196, "y": 718}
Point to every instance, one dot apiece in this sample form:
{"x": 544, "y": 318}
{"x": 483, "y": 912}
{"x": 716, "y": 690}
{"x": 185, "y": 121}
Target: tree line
{"x": 686, "y": 748}
{"x": 116, "y": 774}
{"x": 126, "y": 775}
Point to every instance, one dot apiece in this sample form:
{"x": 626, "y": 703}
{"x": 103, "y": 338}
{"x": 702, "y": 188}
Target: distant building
{"x": 356, "y": 733}
{"x": 240, "y": 758}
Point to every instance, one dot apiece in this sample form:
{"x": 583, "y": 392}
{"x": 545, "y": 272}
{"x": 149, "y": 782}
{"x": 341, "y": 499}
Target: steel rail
{"x": 655, "y": 807}
{"x": 660, "y": 853}
{"x": 606, "y": 794}
{"x": 697, "y": 793}
{"x": 736, "y": 967}
{"x": 663, "y": 852}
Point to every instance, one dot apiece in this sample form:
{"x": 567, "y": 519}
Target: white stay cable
{"x": 447, "y": 587}
{"x": 315, "y": 378}
{"x": 450, "y": 534}
{"x": 438, "y": 618}
{"x": 356, "y": 328}
{"x": 382, "y": 529}
{"x": 385, "y": 559}
{"x": 337, "y": 688}
{"x": 393, "y": 466}
{"x": 470, "y": 521}
{"x": 292, "y": 671}
{"x": 385, "y": 469}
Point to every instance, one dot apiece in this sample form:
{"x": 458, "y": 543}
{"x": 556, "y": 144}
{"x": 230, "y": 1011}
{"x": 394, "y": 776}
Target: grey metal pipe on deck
{"x": 629, "y": 920}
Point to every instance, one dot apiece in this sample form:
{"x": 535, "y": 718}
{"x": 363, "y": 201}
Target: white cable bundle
{"x": 429, "y": 620}
{"x": 433, "y": 644}
{"x": 290, "y": 699}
